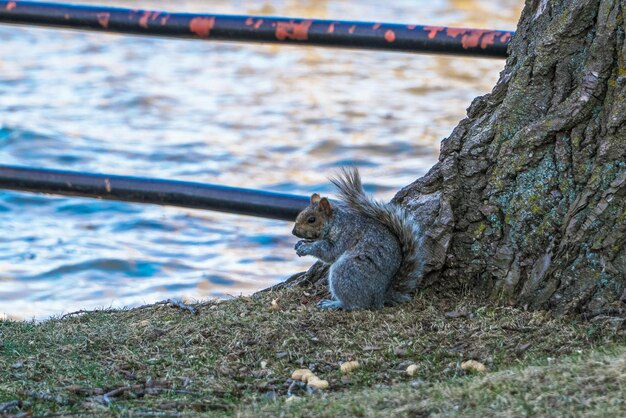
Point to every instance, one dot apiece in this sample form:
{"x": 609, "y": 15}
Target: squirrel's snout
{"x": 299, "y": 232}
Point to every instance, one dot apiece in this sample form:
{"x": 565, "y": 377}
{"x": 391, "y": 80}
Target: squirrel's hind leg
{"x": 356, "y": 283}
{"x": 330, "y": 304}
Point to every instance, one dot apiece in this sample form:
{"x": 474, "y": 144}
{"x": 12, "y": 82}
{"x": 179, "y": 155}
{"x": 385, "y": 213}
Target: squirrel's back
{"x": 399, "y": 222}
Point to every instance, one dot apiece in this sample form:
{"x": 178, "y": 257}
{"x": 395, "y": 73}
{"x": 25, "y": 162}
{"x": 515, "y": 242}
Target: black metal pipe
{"x": 161, "y": 192}
{"x": 330, "y": 33}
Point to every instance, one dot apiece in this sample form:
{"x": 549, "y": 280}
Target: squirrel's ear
{"x": 325, "y": 206}
{"x": 315, "y": 198}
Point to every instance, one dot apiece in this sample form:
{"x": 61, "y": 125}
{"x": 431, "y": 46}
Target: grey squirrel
{"x": 373, "y": 248}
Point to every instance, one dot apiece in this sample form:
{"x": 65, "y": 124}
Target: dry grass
{"x": 237, "y": 356}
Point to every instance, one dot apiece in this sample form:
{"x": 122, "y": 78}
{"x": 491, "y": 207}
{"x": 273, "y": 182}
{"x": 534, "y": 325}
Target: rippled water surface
{"x": 265, "y": 117}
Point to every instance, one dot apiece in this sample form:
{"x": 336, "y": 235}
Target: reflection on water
{"x": 266, "y": 117}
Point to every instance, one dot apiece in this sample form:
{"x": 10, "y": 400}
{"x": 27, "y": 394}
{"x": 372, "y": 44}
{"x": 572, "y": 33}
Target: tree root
{"x": 316, "y": 275}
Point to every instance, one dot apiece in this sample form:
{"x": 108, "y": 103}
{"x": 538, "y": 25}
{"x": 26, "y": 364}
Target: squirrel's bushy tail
{"x": 400, "y": 223}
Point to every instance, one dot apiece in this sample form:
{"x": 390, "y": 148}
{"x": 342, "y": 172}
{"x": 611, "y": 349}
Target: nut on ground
{"x": 349, "y": 366}
{"x": 473, "y": 366}
{"x": 317, "y": 383}
{"x": 412, "y": 369}
{"x": 302, "y": 375}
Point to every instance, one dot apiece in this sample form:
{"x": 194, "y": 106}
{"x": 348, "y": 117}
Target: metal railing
{"x": 161, "y": 192}
{"x": 328, "y": 33}
{"x": 281, "y": 30}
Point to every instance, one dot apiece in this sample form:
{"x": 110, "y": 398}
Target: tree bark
{"x": 527, "y": 201}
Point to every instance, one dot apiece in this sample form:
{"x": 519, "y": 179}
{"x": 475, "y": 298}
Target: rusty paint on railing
{"x": 328, "y": 33}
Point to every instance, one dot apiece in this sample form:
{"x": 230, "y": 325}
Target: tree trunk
{"x": 527, "y": 201}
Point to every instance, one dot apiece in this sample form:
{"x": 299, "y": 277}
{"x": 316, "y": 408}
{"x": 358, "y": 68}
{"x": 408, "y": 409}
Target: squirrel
{"x": 373, "y": 248}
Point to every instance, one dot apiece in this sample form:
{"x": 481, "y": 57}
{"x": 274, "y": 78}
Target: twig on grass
{"x": 82, "y": 311}
{"x": 10, "y": 404}
{"x": 182, "y": 306}
{"x": 172, "y": 302}
{"x": 117, "y": 392}
{"x": 614, "y": 312}
{"x": 42, "y": 396}
{"x": 151, "y": 387}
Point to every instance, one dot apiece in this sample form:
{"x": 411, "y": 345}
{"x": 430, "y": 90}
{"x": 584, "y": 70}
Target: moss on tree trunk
{"x": 527, "y": 202}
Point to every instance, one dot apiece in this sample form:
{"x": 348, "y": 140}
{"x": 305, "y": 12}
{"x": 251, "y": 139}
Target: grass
{"x": 235, "y": 358}
{"x": 590, "y": 385}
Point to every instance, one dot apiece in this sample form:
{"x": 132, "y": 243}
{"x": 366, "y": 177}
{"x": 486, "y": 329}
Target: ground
{"x": 236, "y": 357}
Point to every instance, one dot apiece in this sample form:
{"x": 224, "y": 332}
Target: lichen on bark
{"x": 527, "y": 202}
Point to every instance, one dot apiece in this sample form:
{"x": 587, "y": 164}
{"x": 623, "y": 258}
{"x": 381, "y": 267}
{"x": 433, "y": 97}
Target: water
{"x": 263, "y": 117}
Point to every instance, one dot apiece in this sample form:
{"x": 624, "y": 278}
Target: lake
{"x": 277, "y": 118}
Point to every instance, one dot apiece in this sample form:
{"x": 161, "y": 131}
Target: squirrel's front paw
{"x": 303, "y": 247}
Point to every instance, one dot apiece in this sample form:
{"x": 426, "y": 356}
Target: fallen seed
{"x": 301, "y": 374}
{"x": 412, "y": 369}
{"x": 349, "y": 366}
{"x": 473, "y": 365}
{"x": 317, "y": 383}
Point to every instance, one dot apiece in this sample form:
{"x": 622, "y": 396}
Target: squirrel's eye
{"x": 311, "y": 220}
